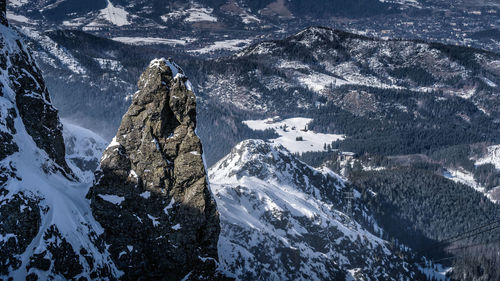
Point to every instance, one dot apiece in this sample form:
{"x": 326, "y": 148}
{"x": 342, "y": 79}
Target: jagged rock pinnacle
{"x": 151, "y": 194}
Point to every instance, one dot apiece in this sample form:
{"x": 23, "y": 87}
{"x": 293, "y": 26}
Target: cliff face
{"x": 3, "y": 10}
{"x": 151, "y": 215}
{"x": 46, "y": 229}
{"x": 151, "y": 194}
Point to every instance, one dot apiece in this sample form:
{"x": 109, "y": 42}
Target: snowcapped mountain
{"x": 347, "y": 83}
{"x": 318, "y": 73}
{"x": 108, "y": 14}
{"x": 284, "y": 220}
{"x": 323, "y": 59}
{"x": 47, "y": 229}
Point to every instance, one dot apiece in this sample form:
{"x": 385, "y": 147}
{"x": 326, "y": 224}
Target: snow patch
{"x": 492, "y": 157}
{"x": 154, "y": 220}
{"x": 145, "y": 194}
{"x": 152, "y": 41}
{"x": 113, "y": 199}
{"x": 230, "y": 45}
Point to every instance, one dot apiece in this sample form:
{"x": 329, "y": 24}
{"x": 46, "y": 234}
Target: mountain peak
{"x": 273, "y": 163}
{"x": 294, "y": 211}
{"x": 153, "y": 178}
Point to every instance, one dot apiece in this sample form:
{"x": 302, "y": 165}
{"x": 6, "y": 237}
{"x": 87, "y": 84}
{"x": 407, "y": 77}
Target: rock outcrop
{"x": 151, "y": 193}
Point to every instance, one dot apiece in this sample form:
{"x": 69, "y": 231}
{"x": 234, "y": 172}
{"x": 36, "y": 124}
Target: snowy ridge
{"x": 338, "y": 59}
{"x": 273, "y": 205}
{"x": 83, "y": 150}
{"x": 46, "y": 220}
{"x": 55, "y": 53}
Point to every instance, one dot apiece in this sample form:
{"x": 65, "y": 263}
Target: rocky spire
{"x": 3, "y": 12}
{"x": 151, "y": 194}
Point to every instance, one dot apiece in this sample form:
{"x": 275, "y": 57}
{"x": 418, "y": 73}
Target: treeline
{"x": 416, "y": 206}
{"x": 407, "y": 123}
{"x": 220, "y": 128}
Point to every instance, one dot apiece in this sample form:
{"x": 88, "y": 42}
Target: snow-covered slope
{"x": 492, "y": 156}
{"x": 83, "y": 150}
{"x": 47, "y": 229}
{"x": 284, "y": 220}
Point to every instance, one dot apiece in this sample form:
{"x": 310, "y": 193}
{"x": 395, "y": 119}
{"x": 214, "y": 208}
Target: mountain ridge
{"x": 299, "y": 215}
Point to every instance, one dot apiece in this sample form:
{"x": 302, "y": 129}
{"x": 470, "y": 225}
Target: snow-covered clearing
{"x": 151, "y": 41}
{"x": 467, "y": 178}
{"x": 230, "y": 45}
{"x": 193, "y": 14}
{"x": 115, "y": 15}
{"x": 291, "y": 130}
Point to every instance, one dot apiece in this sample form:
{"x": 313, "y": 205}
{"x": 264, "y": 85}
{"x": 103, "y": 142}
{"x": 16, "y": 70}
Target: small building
{"x": 347, "y": 156}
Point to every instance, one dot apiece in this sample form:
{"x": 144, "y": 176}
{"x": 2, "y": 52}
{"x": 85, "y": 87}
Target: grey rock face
{"x": 3, "y": 10}
{"x": 39, "y": 116}
{"x": 151, "y": 195}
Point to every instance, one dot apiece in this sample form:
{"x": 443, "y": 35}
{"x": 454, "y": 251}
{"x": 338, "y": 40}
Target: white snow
{"x": 169, "y": 206}
{"x": 18, "y": 18}
{"x": 318, "y": 82}
{"x": 249, "y": 19}
{"x": 230, "y": 45}
{"x": 57, "y": 52}
{"x": 438, "y": 273}
{"x": 465, "y": 177}
{"x": 248, "y": 202}
{"x": 145, "y": 194}
{"x": 18, "y": 3}
{"x": 133, "y": 174}
{"x": 489, "y": 82}
{"x": 413, "y": 3}
{"x": 82, "y": 144}
{"x": 196, "y": 13}
{"x": 200, "y": 14}
{"x": 151, "y": 40}
{"x": 176, "y": 227}
{"x": 113, "y": 143}
{"x": 109, "y": 64}
{"x": 492, "y": 157}
{"x": 37, "y": 176}
{"x": 312, "y": 141}
{"x": 111, "y": 198}
{"x": 115, "y": 15}
{"x": 154, "y": 220}
{"x": 176, "y": 69}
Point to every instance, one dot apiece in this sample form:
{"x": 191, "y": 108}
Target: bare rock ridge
{"x": 3, "y": 12}
{"x": 151, "y": 193}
